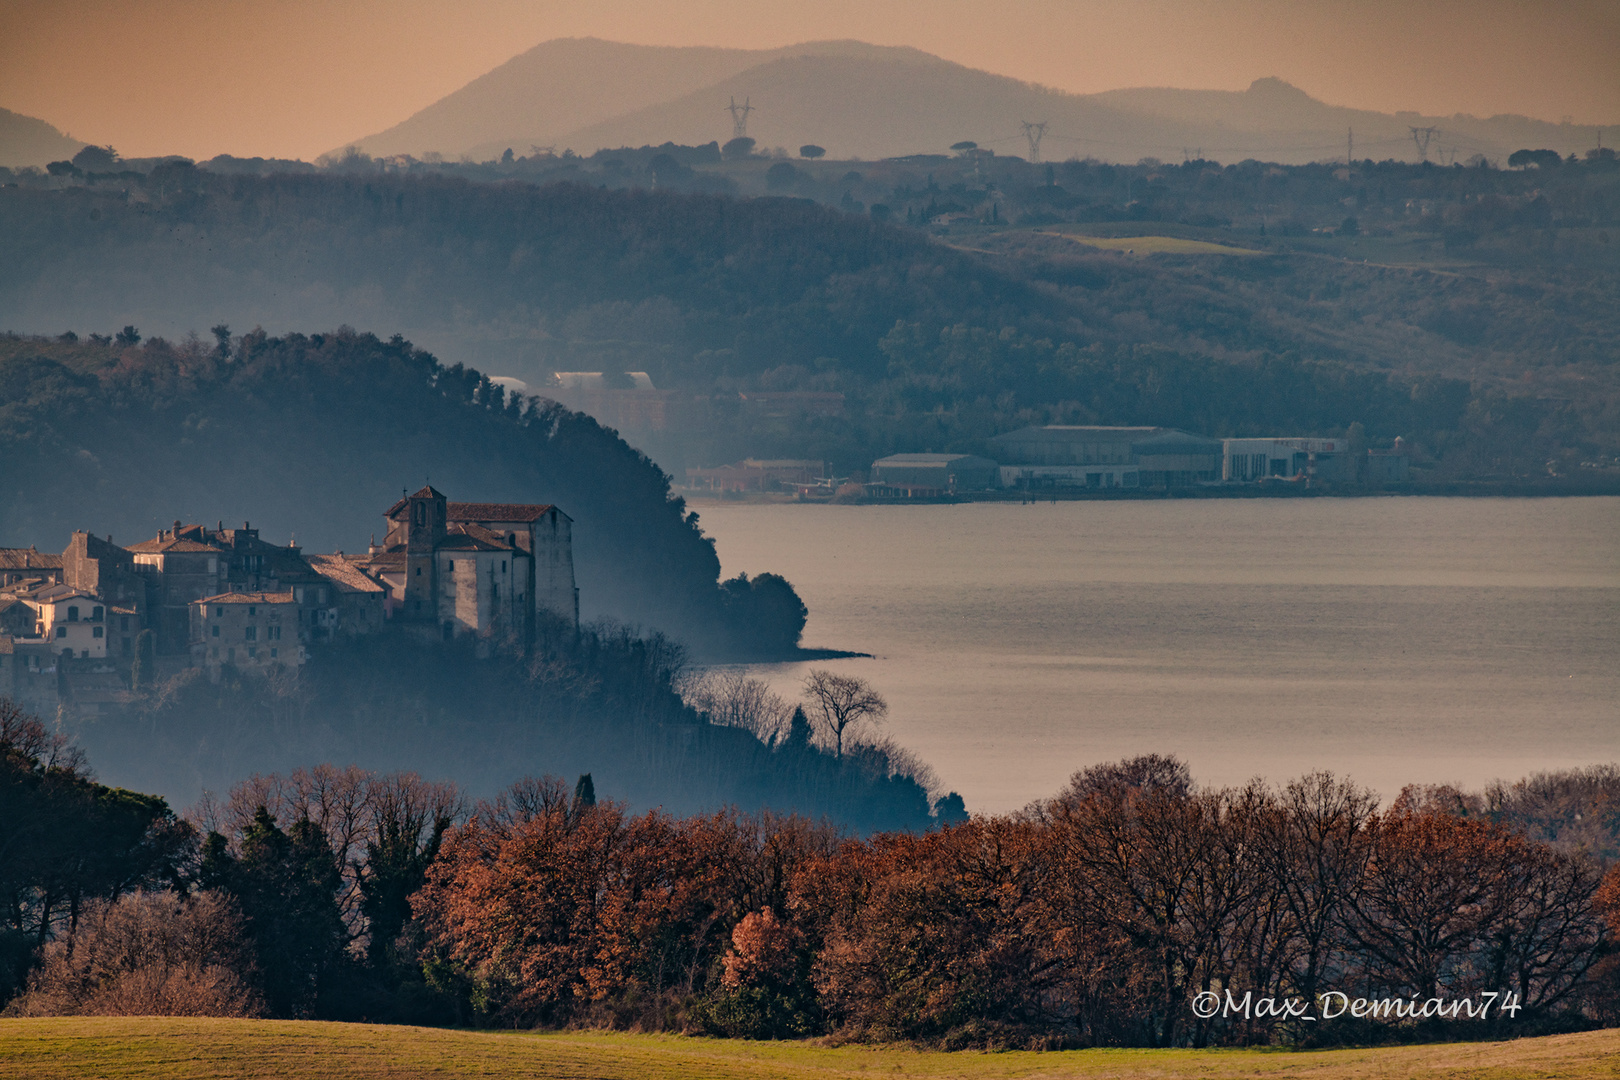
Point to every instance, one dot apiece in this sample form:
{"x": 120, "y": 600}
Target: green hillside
{"x": 1470, "y": 311}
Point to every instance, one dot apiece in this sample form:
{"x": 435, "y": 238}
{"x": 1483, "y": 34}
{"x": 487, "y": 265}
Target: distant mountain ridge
{"x": 25, "y": 140}
{"x": 868, "y": 101}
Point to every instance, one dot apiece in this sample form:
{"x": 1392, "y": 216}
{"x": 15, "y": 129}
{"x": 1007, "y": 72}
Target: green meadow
{"x": 169, "y": 1049}
{"x": 1158, "y": 245}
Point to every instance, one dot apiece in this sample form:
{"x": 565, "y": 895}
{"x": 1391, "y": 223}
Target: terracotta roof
{"x": 344, "y": 573}
{"x": 158, "y": 544}
{"x": 54, "y": 594}
{"x": 493, "y": 536}
{"x": 387, "y": 560}
{"x": 499, "y": 511}
{"x": 460, "y": 541}
{"x": 248, "y": 598}
{"x": 28, "y": 559}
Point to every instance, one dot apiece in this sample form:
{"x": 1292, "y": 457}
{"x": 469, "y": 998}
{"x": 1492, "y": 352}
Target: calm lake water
{"x": 1396, "y": 640}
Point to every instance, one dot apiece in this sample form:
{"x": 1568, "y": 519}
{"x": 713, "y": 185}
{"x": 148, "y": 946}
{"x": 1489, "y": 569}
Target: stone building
{"x": 212, "y": 597}
{"x": 246, "y": 630}
{"x": 71, "y": 622}
{"x": 492, "y": 570}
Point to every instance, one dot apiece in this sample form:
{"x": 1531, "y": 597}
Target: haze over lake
{"x": 1397, "y": 640}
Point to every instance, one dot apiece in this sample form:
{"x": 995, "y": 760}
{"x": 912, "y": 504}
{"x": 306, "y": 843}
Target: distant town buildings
{"x": 217, "y": 597}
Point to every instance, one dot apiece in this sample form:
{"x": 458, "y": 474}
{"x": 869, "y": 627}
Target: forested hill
{"x": 315, "y": 436}
{"x": 1488, "y": 370}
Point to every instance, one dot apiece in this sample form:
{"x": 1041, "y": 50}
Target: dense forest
{"x": 315, "y": 436}
{"x": 1470, "y": 310}
{"x": 1099, "y": 917}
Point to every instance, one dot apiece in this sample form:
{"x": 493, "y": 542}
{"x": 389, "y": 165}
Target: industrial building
{"x": 1063, "y": 455}
{"x": 937, "y": 473}
{"x": 1071, "y": 476}
{"x": 1252, "y": 460}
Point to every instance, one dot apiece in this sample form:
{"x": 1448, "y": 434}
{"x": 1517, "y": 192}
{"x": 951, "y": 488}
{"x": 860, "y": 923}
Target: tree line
{"x": 1091, "y": 918}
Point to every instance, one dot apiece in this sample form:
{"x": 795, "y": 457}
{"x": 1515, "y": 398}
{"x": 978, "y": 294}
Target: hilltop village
{"x": 85, "y": 625}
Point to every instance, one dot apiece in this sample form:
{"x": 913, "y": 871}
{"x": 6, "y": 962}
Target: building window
{"x": 503, "y": 566}
{"x": 216, "y": 631}
{"x": 219, "y": 612}
{"x": 61, "y": 631}
{"x": 251, "y": 634}
{"x": 253, "y": 653}
{"x": 84, "y": 654}
{"x": 450, "y": 564}
{"x": 73, "y": 614}
{"x": 252, "y": 611}
{"x": 96, "y": 632}
{"x": 418, "y": 571}
{"x": 95, "y": 614}
{"x": 274, "y": 653}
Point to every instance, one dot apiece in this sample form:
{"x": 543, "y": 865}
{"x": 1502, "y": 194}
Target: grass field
{"x": 164, "y": 1049}
{"x": 1158, "y": 245}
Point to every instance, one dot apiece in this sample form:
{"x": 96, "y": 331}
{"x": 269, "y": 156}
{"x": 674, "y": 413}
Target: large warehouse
{"x": 1088, "y": 456}
{"x": 943, "y": 472}
{"x": 1250, "y": 460}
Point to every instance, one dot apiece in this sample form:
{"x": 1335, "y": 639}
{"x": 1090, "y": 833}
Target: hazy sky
{"x": 295, "y": 78}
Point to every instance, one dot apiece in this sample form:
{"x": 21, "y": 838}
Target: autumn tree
{"x": 148, "y": 954}
{"x": 1315, "y": 846}
{"x": 1434, "y": 888}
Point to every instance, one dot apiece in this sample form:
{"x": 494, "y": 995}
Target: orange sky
{"x": 295, "y": 78}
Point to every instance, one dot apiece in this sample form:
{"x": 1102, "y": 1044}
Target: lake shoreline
{"x": 1560, "y": 488}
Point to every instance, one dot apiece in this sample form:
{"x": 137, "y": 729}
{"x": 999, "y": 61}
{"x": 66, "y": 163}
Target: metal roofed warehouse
{"x": 1163, "y": 457}
{"x": 947, "y": 472}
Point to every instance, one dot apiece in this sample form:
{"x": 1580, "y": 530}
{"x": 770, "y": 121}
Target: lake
{"x": 1396, "y": 640}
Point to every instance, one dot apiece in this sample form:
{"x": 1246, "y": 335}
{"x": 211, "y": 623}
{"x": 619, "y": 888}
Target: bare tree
{"x": 732, "y": 699}
{"x": 837, "y": 703}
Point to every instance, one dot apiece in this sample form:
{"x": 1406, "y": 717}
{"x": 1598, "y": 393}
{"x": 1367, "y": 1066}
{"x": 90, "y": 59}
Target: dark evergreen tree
{"x": 287, "y": 884}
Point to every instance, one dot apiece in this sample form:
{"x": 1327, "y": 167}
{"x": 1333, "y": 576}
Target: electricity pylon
{"x": 1421, "y": 137}
{"x": 1033, "y": 133}
{"x": 739, "y": 118}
